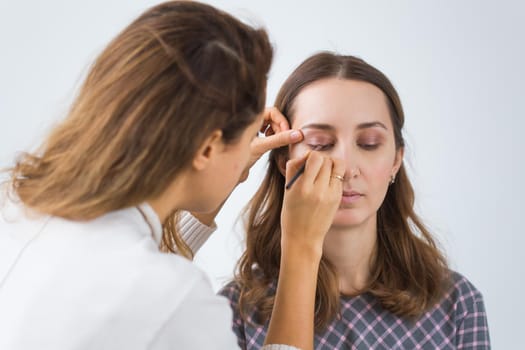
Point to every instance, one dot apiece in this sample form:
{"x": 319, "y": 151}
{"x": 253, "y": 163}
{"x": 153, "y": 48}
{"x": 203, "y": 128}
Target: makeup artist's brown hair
{"x": 178, "y": 72}
{"x": 408, "y": 275}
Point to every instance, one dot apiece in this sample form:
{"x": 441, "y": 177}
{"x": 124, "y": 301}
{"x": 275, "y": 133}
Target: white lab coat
{"x": 103, "y": 284}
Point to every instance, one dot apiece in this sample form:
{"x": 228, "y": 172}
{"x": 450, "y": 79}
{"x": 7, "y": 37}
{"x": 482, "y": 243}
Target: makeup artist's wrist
{"x": 301, "y": 252}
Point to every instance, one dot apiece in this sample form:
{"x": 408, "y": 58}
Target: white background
{"x": 458, "y": 67}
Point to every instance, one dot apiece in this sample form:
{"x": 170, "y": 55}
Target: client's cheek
{"x": 298, "y": 150}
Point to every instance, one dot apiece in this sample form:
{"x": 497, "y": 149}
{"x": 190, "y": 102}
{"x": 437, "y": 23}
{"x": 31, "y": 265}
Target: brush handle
{"x": 296, "y": 176}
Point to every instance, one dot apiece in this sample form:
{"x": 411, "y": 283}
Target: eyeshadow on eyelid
{"x": 372, "y": 135}
{"x": 370, "y": 139}
{"x": 318, "y": 139}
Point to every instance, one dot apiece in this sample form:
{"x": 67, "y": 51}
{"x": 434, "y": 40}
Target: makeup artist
{"x": 165, "y": 121}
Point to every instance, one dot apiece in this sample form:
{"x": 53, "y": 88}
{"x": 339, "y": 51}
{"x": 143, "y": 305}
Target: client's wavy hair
{"x": 408, "y": 275}
{"x": 179, "y": 71}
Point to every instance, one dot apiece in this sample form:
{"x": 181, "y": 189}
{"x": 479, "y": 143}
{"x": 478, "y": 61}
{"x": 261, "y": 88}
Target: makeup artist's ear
{"x": 210, "y": 147}
{"x": 398, "y": 161}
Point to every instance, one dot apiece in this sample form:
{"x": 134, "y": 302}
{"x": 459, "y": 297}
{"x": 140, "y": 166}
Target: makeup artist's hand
{"x": 308, "y": 210}
{"x": 310, "y": 204}
{"x": 277, "y": 134}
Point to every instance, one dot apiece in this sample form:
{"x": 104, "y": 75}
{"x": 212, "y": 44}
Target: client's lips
{"x": 350, "y": 196}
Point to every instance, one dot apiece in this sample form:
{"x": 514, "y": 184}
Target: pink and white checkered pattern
{"x": 458, "y": 322}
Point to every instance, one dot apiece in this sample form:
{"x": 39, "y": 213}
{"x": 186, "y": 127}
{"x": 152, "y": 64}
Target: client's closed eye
{"x": 321, "y": 147}
{"x": 369, "y": 146}
{"x": 370, "y": 141}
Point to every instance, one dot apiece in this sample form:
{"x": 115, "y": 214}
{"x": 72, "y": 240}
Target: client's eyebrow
{"x": 372, "y": 125}
{"x": 328, "y": 127}
{"x": 319, "y": 126}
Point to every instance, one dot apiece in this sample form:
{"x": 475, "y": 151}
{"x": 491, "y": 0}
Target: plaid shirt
{"x": 457, "y": 322}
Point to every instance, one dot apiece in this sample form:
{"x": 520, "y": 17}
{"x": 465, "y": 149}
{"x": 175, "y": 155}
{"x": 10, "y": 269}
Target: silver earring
{"x": 392, "y": 179}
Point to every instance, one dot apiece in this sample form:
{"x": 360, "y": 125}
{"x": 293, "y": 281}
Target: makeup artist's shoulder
{"x": 142, "y": 252}
{"x": 168, "y": 281}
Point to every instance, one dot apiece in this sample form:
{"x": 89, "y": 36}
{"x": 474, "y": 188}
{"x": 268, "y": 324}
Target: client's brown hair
{"x": 409, "y": 273}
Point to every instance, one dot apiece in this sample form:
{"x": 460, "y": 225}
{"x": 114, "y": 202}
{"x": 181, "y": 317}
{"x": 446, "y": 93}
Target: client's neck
{"x": 350, "y": 250}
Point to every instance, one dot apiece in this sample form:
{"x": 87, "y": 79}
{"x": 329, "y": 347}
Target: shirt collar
{"x": 152, "y": 220}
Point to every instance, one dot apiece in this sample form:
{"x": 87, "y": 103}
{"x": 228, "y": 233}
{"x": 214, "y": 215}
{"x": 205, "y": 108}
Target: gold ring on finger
{"x": 339, "y": 177}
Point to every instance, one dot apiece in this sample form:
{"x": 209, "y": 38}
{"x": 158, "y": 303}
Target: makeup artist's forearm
{"x": 292, "y": 320}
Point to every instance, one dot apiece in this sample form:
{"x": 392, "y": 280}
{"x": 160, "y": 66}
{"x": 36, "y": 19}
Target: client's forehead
{"x": 340, "y": 103}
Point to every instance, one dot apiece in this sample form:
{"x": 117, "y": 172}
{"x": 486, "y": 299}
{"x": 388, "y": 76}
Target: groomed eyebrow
{"x": 328, "y": 127}
{"x": 372, "y": 125}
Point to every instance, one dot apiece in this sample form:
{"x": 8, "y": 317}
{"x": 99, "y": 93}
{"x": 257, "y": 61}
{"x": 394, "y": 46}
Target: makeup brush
{"x": 296, "y": 176}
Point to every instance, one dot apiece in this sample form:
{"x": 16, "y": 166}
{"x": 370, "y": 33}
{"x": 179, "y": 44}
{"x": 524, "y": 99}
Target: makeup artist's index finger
{"x": 261, "y": 145}
{"x": 314, "y": 162}
{"x": 276, "y": 120}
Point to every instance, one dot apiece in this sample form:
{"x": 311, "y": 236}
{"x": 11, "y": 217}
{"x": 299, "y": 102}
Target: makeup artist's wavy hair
{"x": 178, "y": 72}
{"x": 408, "y": 275}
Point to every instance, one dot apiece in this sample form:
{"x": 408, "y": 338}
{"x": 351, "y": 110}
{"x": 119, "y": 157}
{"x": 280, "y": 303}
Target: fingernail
{"x": 295, "y": 135}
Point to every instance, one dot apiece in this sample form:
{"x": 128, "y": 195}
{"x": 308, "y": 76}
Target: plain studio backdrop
{"x": 457, "y": 65}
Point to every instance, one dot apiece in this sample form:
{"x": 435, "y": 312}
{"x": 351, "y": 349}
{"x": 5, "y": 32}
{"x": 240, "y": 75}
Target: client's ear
{"x": 398, "y": 161}
{"x": 281, "y": 158}
{"x": 208, "y": 150}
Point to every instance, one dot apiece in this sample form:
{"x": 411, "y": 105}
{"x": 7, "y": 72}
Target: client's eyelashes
{"x": 321, "y": 147}
{"x": 369, "y": 146}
